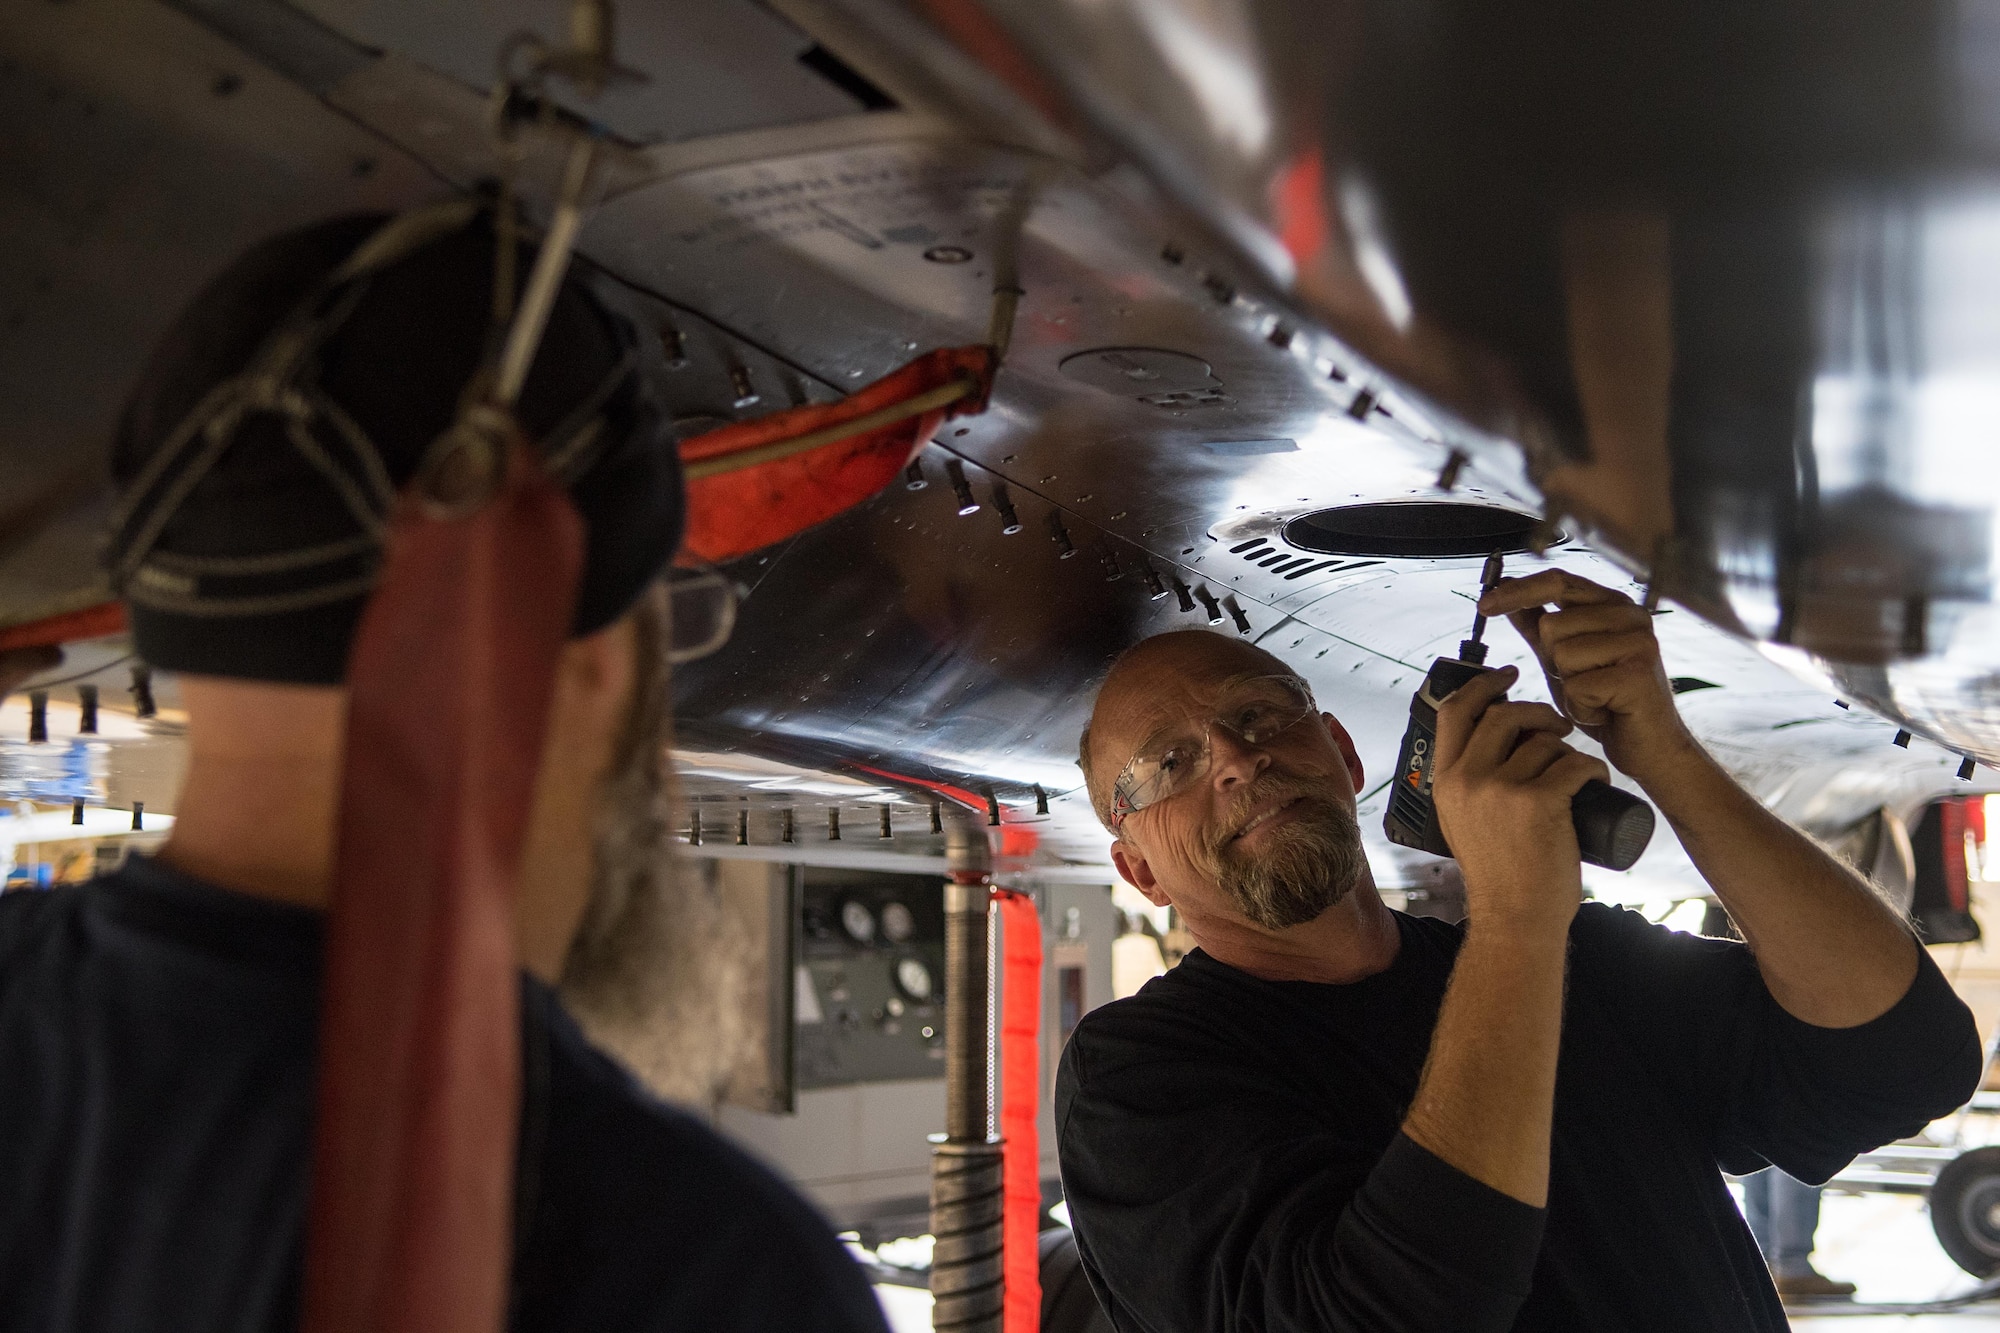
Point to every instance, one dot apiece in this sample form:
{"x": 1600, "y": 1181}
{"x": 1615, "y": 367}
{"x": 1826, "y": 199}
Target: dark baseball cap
{"x": 256, "y": 562}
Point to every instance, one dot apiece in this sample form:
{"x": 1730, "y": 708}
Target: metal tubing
{"x": 967, "y": 983}
{"x": 967, "y": 1282}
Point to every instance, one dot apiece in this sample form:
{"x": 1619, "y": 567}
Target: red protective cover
{"x": 1020, "y": 1104}
{"x": 93, "y": 622}
{"x": 734, "y": 513}
{"x": 419, "y": 1065}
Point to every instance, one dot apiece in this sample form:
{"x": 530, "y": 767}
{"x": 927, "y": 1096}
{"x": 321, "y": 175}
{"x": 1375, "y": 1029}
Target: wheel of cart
{"x": 1965, "y": 1210}
{"x": 1963, "y": 1184}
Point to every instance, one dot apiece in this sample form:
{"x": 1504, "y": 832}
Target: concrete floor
{"x": 1883, "y": 1244}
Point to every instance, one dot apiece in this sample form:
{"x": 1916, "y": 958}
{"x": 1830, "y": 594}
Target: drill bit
{"x": 1474, "y": 649}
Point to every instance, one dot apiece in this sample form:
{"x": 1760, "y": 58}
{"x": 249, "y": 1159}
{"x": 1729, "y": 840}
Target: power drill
{"x": 1612, "y": 826}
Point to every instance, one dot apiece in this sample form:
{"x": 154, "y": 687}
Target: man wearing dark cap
{"x": 158, "y": 1026}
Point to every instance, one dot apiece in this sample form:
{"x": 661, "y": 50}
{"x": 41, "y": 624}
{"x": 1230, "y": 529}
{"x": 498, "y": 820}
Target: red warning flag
{"x": 757, "y": 482}
{"x": 449, "y": 682}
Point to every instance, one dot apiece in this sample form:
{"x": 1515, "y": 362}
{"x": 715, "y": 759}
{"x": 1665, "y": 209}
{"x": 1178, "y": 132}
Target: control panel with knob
{"x": 869, "y": 983}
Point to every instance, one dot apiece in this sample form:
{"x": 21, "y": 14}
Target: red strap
{"x": 93, "y": 622}
{"x": 1020, "y": 1105}
{"x": 414, "y": 1146}
{"x": 1957, "y": 876}
{"x": 734, "y": 513}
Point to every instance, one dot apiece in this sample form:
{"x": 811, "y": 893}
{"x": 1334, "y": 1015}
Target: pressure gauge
{"x": 857, "y": 921}
{"x": 897, "y": 923}
{"x": 914, "y": 979}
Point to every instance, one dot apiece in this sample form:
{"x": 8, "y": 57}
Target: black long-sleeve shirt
{"x": 156, "y": 1088}
{"x": 1233, "y": 1159}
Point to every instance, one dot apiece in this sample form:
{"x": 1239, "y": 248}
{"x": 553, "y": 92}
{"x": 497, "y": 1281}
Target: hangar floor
{"x": 1883, "y": 1244}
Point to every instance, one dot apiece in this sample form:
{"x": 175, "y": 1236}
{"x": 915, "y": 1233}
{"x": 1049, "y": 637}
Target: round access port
{"x": 1413, "y": 529}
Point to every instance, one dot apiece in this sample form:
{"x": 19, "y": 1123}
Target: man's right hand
{"x": 1503, "y": 782}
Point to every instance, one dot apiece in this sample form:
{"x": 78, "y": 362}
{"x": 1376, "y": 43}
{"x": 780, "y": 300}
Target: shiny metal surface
{"x": 1674, "y": 366}
{"x": 1724, "y": 273}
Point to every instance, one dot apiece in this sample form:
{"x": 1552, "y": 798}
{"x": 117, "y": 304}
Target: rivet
{"x": 833, "y": 823}
{"x": 76, "y": 811}
{"x": 954, "y": 472}
{"x": 937, "y": 817}
{"x": 38, "y": 715}
{"x": 1208, "y": 605}
{"x": 1010, "y": 523}
{"x": 1112, "y": 573}
{"x": 1965, "y": 769}
{"x": 1280, "y": 336}
{"x": 913, "y": 476}
{"x": 1901, "y": 738}
{"x": 673, "y": 346}
{"x": 1841, "y": 703}
{"x": 694, "y": 827}
{"x": 1449, "y": 473}
{"x": 739, "y": 382}
{"x": 138, "y": 816}
{"x": 142, "y": 692}
{"x": 1361, "y": 404}
{"x": 1154, "y": 588}
{"x": 1041, "y": 801}
{"x": 992, "y": 808}
{"x": 785, "y": 833}
{"x": 86, "y": 703}
{"x": 1236, "y": 614}
{"x": 1186, "y": 597}
{"x": 885, "y": 832}
{"x": 1060, "y": 536}
{"x": 743, "y": 828}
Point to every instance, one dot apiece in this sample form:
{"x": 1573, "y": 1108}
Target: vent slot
{"x": 846, "y": 78}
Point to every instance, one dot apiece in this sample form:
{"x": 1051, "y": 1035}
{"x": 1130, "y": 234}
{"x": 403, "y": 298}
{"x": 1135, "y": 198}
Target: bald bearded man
{"x": 1334, "y": 1116}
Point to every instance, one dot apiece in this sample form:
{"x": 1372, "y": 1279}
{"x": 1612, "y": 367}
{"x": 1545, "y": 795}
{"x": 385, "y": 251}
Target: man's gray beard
{"x": 663, "y": 973}
{"x": 1302, "y": 866}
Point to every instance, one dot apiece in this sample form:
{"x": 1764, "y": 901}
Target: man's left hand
{"x": 1598, "y": 650}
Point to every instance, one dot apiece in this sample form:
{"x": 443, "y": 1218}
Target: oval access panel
{"x": 1417, "y": 529}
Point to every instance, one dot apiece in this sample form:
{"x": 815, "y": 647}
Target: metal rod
{"x": 967, "y": 1282}
{"x": 929, "y": 401}
{"x": 524, "y": 336}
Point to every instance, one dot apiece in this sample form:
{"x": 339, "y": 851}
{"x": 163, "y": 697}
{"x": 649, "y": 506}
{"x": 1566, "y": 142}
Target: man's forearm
{"x": 1487, "y": 1097}
{"x": 1830, "y": 950}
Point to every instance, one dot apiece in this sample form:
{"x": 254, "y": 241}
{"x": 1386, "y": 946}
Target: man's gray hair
{"x": 660, "y": 970}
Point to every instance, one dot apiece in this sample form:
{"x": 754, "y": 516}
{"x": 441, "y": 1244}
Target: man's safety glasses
{"x": 704, "y": 612}
{"x": 1254, "y": 711}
